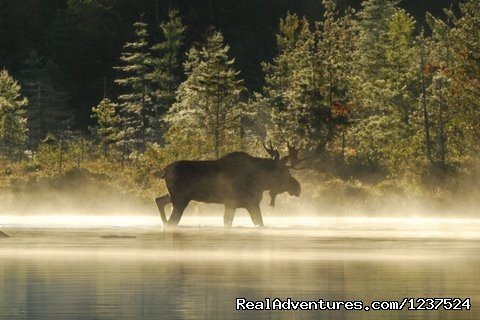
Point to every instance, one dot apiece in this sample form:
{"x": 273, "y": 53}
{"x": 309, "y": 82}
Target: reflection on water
{"x": 131, "y": 268}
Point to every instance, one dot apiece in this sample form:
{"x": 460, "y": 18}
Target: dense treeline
{"x": 369, "y": 95}
{"x": 82, "y": 39}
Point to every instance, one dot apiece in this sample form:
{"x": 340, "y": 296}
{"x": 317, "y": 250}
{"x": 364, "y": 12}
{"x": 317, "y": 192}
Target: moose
{"x": 236, "y": 180}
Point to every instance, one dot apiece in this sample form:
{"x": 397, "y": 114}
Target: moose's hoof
{"x": 171, "y": 224}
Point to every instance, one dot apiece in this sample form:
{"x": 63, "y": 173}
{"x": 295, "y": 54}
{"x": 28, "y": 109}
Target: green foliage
{"x": 48, "y": 155}
{"x": 451, "y": 72}
{"x": 367, "y": 99}
{"x": 293, "y": 37}
{"x": 465, "y": 83}
{"x": 205, "y": 121}
{"x": 306, "y": 92}
{"x": 135, "y": 102}
{"x": 57, "y": 154}
{"x": 150, "y": 79}
{"x": 165, "y": 63}
{"x": 13, "y": 121}
{"x": 108, "y": 126}
{"x": 384, "y": 87}
{"x": 372, "y": 35}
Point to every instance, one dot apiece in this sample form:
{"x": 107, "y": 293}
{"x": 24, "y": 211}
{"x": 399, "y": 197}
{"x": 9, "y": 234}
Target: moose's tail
{"x": 160, "y": 173}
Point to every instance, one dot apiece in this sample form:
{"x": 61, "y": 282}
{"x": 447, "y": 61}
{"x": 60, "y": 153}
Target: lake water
{"x": 129, "y": 267}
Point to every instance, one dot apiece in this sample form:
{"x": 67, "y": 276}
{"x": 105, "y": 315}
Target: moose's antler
{"x": 271, "y": 151}
{"x": 293, "y": 157}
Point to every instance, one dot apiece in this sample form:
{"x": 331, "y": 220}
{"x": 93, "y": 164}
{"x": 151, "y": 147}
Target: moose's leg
{"x": 228, "y": 215}
{"x": 161, "y": 203}
{"x": 256, "y": 215}
{"x": 178, "y": 208}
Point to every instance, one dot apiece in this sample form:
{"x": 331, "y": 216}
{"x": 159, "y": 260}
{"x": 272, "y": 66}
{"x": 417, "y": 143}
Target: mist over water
{"x": 130, "y": 267}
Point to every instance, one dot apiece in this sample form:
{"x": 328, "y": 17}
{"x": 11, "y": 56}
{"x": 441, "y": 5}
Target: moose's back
{"x": 231, "y": 179}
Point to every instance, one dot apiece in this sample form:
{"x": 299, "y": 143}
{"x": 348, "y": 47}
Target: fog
{"x": 81, "y": 192}
{"x": 131, "y": 267}
{"x": 80, "y": 249}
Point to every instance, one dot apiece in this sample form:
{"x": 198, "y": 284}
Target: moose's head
{"x": 282, "y": 181}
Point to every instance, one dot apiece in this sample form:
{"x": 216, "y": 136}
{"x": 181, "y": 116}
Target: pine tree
{"x": 13, "y": 121}
{"x": 135, "y": 102}
{"x": 108, "y": 126}
{"x": 373, "y": 21}
{"x": 47, "y": 108}
{"x": 165, "y": 64}
{"x": 383, "y": 85}
{"x": 282, "y": 123}
{"x": 464, "y": 82}
{"x": 423, "y": 100}
{"x": 207, "y": 113}
{"x": 451, "y": 71}
{"x": 441, "y": 67}
{"x": 306, "y": 91}
{"x": 401, "y": 59}
{"x": 402, "y": 89}
{"x": 336, "y": 35}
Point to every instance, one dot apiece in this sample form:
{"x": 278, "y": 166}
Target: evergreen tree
{"x": 306, "y": 91}
{"x": 108, "y": 126}
{"x": 371, "y": 55}
{"x": 401, "y": 72}
{"x": 206, "y": 116}
{"x": 440, "y": 69}
{"x": 135, "y": 102}
{"x": 47, "y": 108}
{"x": 423, "y": 102}
{"x": 402, "y": 89}
{"x": 13, "y": 121}
{"x": 282, "y": 123}
{"x": 383, "y": 85}
{"x": 452, "y": 70}
{"x": 336, "y": 35}
{"x": 165, "y": 65}
{"x": 465, "y": 83}
{"x": 34, "y": 84}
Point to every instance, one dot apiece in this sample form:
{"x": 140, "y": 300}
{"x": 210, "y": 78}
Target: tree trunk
{"x": 426, "y": 121}
{"x": 441, "y": 134}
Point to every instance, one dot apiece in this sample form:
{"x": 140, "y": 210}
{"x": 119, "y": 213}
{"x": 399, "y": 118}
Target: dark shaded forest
{"x": 381, "y": 97}
{"x": 84, "y": 39}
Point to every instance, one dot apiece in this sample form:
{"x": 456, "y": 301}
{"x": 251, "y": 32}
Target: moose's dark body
{"x": 236, "y": 180}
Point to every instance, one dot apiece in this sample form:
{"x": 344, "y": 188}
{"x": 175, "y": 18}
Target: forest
{"x": 382, "y": 98}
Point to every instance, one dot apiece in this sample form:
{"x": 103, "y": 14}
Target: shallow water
{"x": 129, "y": 267}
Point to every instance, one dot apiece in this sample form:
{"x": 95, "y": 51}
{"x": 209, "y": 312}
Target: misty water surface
{"x": 82, "y": 267}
